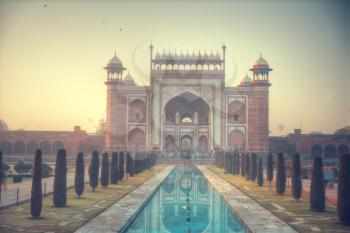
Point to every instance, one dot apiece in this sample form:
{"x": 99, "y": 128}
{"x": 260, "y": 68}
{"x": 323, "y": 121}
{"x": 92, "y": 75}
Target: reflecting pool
{"x": 186, "y": 203}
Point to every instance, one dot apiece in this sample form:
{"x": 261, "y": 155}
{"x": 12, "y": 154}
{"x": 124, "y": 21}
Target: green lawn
{"x": 296, "y": 214}
{"x": 78, "y": 211}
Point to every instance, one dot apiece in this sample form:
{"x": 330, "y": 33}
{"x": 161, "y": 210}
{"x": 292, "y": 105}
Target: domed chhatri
{"x": 261, "y": 71}
{"x": 114, "y": 61}
{"x": 261, "y": 63}
{"x": 114, "y": 68}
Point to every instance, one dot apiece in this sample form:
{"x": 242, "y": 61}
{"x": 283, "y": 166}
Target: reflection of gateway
{"x": 187, "y": 105}
{"x": 168, "y": 211}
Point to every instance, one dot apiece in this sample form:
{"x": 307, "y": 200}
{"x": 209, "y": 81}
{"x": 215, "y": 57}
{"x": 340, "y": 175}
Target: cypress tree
{"x": 105, "y": 170}
{"x": 121, "y": 165}
{"x": 237, "y": 164}
{"x": 242, "y": 165}
{"x": 2, "y": 174}
{"x": 79, "y": 174}
{"x": 132, "y": 165}
{"x": 296, "y": 177}
{"x": 260, "y": 178}
{"x": 94, "y": 170}
{"x": 253, "y": 167}
{"x": 136, "y": 163}
{"x": 221, "y": 159}
{"x": 247, "y": 166}
{"x": 281, "y": 175}
{"x": 60, "y": 181}
{"x": 36, "y": 198}
{"x": 317, "y": 191}
{"x": 114, "y": 168}
{"x": 231, "y": 163}
{"x": 228, "y": 162}
{"x": 344, "y": 190}
{"x": 269, "y": 170}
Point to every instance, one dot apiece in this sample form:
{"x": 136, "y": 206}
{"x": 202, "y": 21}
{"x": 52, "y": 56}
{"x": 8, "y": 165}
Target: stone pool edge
{"x": 251, "y": 214}
{"x": 119, "y": 216}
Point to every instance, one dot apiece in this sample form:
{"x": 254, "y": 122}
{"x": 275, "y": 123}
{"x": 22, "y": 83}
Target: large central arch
{"x": 187, "y": 115}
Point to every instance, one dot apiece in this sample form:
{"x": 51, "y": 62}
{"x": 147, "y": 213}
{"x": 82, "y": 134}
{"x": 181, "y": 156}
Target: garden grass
{"x": 296, "y": 213}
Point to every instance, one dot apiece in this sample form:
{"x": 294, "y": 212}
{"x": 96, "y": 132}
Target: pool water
{"x": 186, "y": 203}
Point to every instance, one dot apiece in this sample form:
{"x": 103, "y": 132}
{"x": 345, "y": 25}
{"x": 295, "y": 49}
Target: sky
{"x": 52, "y": 55}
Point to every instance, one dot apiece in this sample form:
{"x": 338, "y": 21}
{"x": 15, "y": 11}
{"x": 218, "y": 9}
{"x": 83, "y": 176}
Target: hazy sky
{"x": 52, "y": 55}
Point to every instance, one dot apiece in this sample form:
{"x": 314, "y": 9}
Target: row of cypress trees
{"x": 110, "y": 173}
{"x": 252, "y": 169}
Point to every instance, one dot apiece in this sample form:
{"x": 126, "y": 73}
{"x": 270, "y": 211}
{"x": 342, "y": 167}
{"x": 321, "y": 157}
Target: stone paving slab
{"x": 119, "y": 215}
{"x": 253, "y": 215}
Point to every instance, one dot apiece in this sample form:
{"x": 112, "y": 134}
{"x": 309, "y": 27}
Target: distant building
{"x": 21, "y": 144}
{"x": 329, "y": 146}
{"x": 187, "y": 105}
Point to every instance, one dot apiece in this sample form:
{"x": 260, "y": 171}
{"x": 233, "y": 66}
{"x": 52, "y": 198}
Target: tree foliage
{"x": 60, "y": 181}
{"x": 260, "y": 177}
{"x": 36, "y": 192}
{"x": 281, "y": 175}
{"x": 105, "y": 170}
{"x": 296, "y": 177}
{"x": 317, "y": 190}
{"x": 344, "y": 190}
{"x": 94, "y": 170}
{"x": 79, "y": 175}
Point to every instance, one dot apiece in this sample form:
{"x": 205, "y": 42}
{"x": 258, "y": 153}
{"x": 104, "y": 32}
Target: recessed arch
{"x": 31, "y": 147}
{"x": 57, "y": 145}
{"x": 203, "y": 143}
{"x": 137, "y": 138}
{"x": 169, "y": 143}
{"x": 236, "y": 140}
{"x": 19, "y": 148}
{"x": 137, "y": 111}
{"x": 236, "y": 112}
{"x": 316, "y": 151}
{"x": 330, "y": 151}
{"x": 343, "y": 149}
{"x": 186, "y": 143}
{"x": 6, "y": 147}
{"x": 45, "y": 147}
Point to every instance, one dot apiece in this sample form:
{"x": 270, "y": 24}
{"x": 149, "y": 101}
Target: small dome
{"x": 128, "y": 78}
{"x": 246, "y": 80}
{"x": 114, "y": 61}
{"x": 261, "y": 63}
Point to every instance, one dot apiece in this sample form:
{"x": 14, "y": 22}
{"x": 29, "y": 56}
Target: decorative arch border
{"x": 205, "y": 93}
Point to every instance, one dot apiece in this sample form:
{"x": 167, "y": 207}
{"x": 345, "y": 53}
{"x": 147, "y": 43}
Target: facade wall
{"x": 325, "y": 145}
{"x": 25, "y": 143}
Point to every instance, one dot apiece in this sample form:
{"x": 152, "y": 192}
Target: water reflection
{"x": 185, "y": 203}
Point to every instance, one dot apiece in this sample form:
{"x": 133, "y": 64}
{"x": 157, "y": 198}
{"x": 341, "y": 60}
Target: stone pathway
{"x": 253, "y": 215}
{"x": 119, "y": 215}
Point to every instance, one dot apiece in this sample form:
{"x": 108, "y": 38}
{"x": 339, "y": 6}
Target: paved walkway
{"x": 119, "y": 215}
{"x": 253, "y": 215}
{"x": 9, "y": 195}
